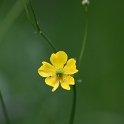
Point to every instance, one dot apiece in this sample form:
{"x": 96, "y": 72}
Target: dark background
{"x": 100, "y": 95}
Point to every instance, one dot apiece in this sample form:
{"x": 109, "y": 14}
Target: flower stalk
{"x": 36, "y": 25}
{"x": 73, "y": 105}
{"x": 85, "y": 36}
{"x": 4, "y": 109}
{"x": 79, "y": 62}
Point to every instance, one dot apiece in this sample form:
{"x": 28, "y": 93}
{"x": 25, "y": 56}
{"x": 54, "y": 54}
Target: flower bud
{"x": 85, "y": 2}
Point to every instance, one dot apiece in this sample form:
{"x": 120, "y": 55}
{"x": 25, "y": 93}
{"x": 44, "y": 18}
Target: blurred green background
{"x": 100, "y": 95}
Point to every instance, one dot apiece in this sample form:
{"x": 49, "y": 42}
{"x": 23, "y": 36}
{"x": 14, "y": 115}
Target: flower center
{"x": 59, "y": 72}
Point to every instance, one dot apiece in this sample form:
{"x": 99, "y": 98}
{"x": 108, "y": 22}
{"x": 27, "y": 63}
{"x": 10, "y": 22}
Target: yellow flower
{"x": 60, "y": 72}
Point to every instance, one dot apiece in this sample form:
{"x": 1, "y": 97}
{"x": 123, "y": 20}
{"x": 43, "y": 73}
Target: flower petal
{"x": 66, "y": 81}
{"x": 55, "y": 86}
{"x": 65, "y": 86}
{"x": 52, "y": 81}
{"x": 70, "y": 67}
{"x": 46, "y": 70}
{"x": 70, "y": 80}
{"x": 59, "y": 59}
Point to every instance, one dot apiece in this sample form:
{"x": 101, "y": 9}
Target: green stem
{"x": 48, "y": 41}
{"x": 80, "y": 58}
{"x": 4, "y": 109}
{"x": 37, "y": 25}
{"x": 73, "y": 106}
{"x": 85, "y": 37}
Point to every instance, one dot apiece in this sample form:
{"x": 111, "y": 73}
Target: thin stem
{"x": 48, "y": 41}
{"x": 4, "y": 109}
{"x": 26, "y": 9}
{"x": 80, "y": 58}
{"x": 73, "y": 106}
{"x": 35, "y": 18}
{"x": 85, "y": 37}
{"x": 36, "y": 23}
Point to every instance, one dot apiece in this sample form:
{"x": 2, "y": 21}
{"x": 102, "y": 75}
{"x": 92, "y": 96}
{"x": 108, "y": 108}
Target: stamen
{"x": 59, "y": 72}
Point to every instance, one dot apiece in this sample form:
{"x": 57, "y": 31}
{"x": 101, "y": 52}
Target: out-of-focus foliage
{"x": 99, "y": 95}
